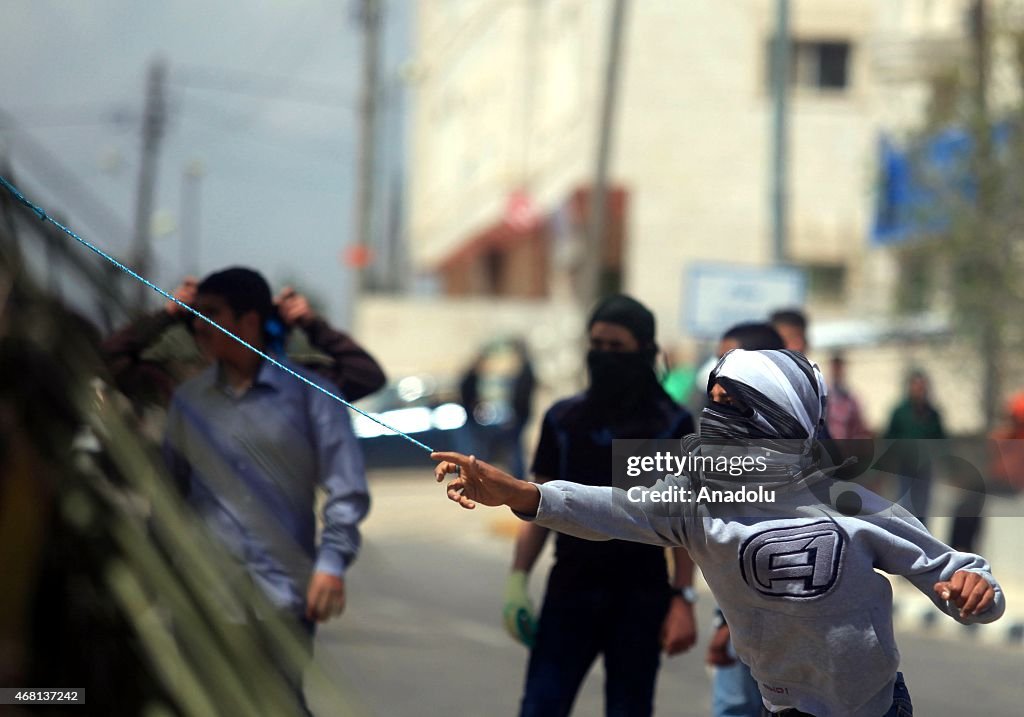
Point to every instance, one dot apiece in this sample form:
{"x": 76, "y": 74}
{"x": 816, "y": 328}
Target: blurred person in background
{"x": 1009, "y": 437}
{"x": 916, "y": 421}
{"x": 523, "y": 385}
{"x": 469, "y": 436}
{"x": 497, "y": 393}
{"x": 1006, "y": 469}
{"x": 792, "y": 327}
{"x": 150, "y": 356}
{"x": 249, "y": 444}
{"x": 846, "y": 426}
{"x": 845, "y": 419}
{"x": 750, "y": 335}
{"x": 612, "y": 598}
{"x": 734, "y": 691}
{"x": 680, "y": 379}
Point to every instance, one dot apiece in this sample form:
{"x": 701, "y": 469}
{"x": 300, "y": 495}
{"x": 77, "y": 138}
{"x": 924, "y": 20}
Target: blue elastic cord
{"x": 47, "y": 218}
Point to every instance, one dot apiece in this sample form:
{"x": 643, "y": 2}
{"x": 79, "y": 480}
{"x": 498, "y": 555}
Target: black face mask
{"x": 621, "y": 378}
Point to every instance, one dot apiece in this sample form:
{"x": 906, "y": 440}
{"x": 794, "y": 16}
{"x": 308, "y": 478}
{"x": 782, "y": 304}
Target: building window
{"x": 822, "y": 65}
{"x": 826, "y": 282}
{"x": 917, "y": 278}
{"x": 494, "y": 272}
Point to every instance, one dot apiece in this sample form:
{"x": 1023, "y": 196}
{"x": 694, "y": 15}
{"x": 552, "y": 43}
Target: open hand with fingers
{"x": 969, "y": 591}
{"x": 480, "y": 482}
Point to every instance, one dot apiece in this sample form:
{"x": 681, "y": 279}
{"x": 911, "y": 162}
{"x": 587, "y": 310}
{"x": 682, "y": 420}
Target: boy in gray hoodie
{"x": 795, "y": 577}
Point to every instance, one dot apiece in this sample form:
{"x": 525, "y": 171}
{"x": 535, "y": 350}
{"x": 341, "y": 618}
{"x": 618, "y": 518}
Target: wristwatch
{"x": 717, "y": 620}
{"x": 688, "y": 594}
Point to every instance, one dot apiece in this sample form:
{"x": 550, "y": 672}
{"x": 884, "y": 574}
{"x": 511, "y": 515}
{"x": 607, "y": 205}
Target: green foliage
{"x": 975, "y": 267}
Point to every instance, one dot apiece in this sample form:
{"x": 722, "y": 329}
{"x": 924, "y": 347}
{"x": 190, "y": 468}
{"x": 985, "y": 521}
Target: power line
{"x": 264, "y": 86}
{"x": 67, "y": 118}
{"x": 215, "y": 122}
{"x": 50, "y": 170}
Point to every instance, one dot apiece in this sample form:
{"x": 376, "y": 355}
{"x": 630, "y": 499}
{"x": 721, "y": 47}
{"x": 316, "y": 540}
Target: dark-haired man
{"x": 612, "y": 598}
{"x": 249, "y": 444}
{"x": 151, "y": 355}
{"x": 749, "y": 335}
{"x": 792, "y": 327}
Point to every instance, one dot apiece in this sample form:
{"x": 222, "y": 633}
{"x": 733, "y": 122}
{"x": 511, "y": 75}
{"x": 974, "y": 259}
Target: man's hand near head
{"x": 185, "y": 292}
{"x": 294, "y": 308}
{"x": 480, "y": 482}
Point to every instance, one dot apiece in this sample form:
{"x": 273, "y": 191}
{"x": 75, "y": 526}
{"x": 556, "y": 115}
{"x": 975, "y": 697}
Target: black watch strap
{"x": 688, "y": 594}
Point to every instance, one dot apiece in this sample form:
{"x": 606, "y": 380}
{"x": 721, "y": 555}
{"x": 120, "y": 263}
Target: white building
{"x": 507, "y": 104}
{"x": 510, "y": 95}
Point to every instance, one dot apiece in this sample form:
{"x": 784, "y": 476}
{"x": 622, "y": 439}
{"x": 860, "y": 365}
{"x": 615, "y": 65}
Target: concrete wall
{"x": 441, "y": 336}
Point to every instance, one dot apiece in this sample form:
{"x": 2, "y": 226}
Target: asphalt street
{"x": 421, "y": 634}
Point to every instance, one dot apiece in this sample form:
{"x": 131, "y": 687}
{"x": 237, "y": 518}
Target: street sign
{"x": 717, "y": 296}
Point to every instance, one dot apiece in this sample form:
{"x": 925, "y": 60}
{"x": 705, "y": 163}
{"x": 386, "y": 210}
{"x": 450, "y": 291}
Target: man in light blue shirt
{"x": 249, "y": 444}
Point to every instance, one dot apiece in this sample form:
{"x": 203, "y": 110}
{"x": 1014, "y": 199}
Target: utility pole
{"x": 991, "y": 255}
{"x": 593, "y": 260}
{"x": 370, "y": 18}
{"x": 154, "y": 119}
{"x": 780, "y": 95}
{"x": 189, "y": 223}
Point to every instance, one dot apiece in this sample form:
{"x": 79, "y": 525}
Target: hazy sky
{"x": 279, "y": 184}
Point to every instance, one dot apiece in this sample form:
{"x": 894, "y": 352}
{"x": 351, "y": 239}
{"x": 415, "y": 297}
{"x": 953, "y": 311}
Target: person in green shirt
{"x": 680, "y": 379}
{"x": 915, "y": 421}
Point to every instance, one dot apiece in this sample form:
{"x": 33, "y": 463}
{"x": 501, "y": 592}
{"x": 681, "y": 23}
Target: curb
{"x": 922, "y": 615}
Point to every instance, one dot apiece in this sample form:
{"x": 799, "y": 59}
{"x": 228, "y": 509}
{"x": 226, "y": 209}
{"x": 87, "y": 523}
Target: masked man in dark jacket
{"x": 613, "y": 598}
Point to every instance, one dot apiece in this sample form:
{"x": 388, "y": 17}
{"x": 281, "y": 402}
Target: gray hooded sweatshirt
{"x": 795, "y": 579}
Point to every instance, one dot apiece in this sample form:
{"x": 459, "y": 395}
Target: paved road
{"x": 421, "y": 634}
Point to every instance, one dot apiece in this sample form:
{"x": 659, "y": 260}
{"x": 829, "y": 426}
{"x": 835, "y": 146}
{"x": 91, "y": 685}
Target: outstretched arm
{"x": 960, "y": 584}
{"x": 588, "y": 512}
{"x": 480, "y": 482}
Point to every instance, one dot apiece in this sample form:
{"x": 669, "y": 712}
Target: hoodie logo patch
{"x": 801, "y": 562}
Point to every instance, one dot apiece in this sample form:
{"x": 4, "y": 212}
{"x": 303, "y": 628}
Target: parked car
{"x": 423, "y": 406}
